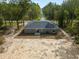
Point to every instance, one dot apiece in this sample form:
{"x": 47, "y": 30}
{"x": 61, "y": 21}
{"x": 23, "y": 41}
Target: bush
{"x": 73, "y": 29}
{"x": 1, "y": 22}
{"x": 69, "y": 29}
{"x": 77, "y": 39}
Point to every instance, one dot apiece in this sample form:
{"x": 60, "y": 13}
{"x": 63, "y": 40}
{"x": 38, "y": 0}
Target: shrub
{"x": 74, "y": 31}
{"x": 1, "y": 22}
{"x": 77, "y": 39}
{"x": 69, "y": 29}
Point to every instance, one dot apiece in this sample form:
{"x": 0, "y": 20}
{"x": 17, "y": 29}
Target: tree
{"x": 34, "y": 11}
{"x": 61, "y": 18}
{"x": 48, "y": 11}
{"x": 77, "y": 13}
{"x": 23, "y": 6}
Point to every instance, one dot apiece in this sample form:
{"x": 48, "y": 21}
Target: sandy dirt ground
{"x": 40, "y": 49}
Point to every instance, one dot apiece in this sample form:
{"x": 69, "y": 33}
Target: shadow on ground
{"x": 41, "y": 36}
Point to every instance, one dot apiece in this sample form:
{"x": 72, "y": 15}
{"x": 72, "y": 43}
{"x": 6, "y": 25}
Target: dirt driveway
{"x": 41, "y": 49}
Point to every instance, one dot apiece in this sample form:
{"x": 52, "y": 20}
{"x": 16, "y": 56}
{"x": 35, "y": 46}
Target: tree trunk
{"x": 5, "y": 22}
{"x": 17, "y": 24}
{"x": 23, "y": 22}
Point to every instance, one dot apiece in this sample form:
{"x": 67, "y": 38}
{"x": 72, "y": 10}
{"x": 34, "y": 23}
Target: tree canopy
{"x": 16, "y": 10}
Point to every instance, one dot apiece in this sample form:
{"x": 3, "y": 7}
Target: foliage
{"x": 66, "y": 14}
{"x": 74, "y": 31}
{"x": 77, "y": 13}
{"x": 77, "y": 39}
{"x": 1, "y": 22}
{"x": 49, "y": 10}
{"x": 17, "y": 10}
{"x": 34, "y": 11}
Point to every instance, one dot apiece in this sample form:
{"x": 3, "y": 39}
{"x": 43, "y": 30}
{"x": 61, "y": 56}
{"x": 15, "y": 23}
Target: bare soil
{"x": 21, "y": 48}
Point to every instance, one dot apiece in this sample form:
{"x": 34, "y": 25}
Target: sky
{"x": 42, "y": 3}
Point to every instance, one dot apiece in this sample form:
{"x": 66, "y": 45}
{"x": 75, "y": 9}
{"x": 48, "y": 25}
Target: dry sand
{"x": 40, "y": 49}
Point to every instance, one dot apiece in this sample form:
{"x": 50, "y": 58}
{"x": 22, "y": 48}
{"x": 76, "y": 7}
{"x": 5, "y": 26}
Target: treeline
{"x": 50, "y": 10}
{"x": 18, "y": 10}
{"x": 65, "y": 13}
{"x": 34, "y": 12}
{"x": 67, "y": 16}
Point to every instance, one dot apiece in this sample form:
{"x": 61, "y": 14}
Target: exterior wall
{"x": 40, "y": 30}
